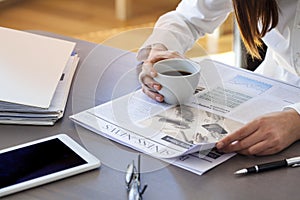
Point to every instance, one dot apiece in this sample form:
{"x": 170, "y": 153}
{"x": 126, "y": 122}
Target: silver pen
{"x": 290, "y": 162}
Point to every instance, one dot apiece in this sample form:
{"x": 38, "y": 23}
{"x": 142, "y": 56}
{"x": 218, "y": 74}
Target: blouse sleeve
{"x": 179, "y": 29}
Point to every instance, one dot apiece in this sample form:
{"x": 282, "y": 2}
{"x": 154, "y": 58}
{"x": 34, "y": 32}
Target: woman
{"x": 275, "y": 22}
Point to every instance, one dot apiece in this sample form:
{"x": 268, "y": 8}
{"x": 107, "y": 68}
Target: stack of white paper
{"x": 36, "y": 75}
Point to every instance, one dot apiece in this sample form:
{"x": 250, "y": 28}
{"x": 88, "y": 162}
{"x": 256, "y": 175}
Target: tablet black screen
{"x": 37, "y": 160}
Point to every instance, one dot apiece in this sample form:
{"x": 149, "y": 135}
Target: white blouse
{"x": 178, "y": 30}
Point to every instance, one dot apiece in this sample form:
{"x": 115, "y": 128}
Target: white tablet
{"x": 42, "y": 161}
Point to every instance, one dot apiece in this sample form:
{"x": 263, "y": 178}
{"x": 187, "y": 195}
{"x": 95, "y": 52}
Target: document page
{"x": 240, "y": 94}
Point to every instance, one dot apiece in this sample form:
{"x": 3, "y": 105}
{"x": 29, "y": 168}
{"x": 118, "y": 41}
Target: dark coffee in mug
{"x": 176, "y": 73}
{"x": 178, "y": 78}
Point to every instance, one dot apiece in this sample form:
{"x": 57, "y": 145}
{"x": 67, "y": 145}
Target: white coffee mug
{"x": 179, "y": 79}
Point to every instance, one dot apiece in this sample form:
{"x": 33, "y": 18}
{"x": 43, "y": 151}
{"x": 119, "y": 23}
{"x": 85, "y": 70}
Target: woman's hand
{"x": 149, "y": 86}
{"x": 265, "y": 135}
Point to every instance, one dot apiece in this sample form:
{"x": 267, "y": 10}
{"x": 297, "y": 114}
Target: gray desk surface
{"x": 105, "y": 73}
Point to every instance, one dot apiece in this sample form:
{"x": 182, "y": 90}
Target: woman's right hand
{"x": 149, "y": 86}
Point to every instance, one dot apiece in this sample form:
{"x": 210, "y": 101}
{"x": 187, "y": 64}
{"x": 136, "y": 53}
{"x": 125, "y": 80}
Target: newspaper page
{"x": 226, "y": 98}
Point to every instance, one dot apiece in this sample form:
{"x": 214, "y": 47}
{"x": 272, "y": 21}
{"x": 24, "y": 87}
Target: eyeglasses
{"x": 133, "y": 181}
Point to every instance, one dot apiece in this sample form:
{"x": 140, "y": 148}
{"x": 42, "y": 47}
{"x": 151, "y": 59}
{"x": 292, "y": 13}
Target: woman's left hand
{"x": 265, "y": 135}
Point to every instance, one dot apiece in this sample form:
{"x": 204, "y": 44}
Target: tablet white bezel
{"x": 92, "y": 163}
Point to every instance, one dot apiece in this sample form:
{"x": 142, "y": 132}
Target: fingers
{"x": 147, "y": 75}
{"x": 148, "y": 70}
{"x": 268, "y": 151}
{"x": 238, "y": 135}
{"x": 149, "y": 86}
{"x": 263, "y": 136}
{"x": 248, "y": 140}
{"x": 156, "y": 56}
{"x": 261, "y": 147}
{"x": 152, "y": 94}
{"x": 248, "y": 143}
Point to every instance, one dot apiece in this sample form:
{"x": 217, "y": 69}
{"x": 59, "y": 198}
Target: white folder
{"x": 31, "y": 66}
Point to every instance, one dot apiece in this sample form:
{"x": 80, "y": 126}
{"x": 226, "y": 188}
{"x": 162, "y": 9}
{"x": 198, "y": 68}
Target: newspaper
{"x": 226, "y": 98}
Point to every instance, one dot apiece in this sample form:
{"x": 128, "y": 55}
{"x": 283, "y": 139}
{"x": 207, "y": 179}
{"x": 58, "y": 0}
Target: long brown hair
{"x": 249, "y": 14}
